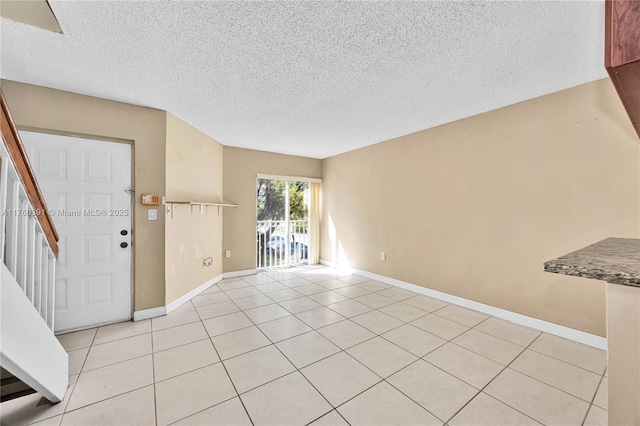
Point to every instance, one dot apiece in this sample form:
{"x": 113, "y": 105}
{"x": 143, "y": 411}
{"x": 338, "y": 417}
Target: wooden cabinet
{"x": 622, "y": 53}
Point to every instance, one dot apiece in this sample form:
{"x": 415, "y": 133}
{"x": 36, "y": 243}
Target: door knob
{"x": 124, "y": 245}
{"x": 124, "y": 232}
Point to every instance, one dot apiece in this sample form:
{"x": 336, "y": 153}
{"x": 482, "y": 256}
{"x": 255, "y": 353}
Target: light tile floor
{"x": 317, "y": 346}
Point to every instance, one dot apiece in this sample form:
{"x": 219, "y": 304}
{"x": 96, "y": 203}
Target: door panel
{"x": 84, "y": 183}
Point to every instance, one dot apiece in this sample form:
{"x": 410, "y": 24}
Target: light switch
{"x": 152, "y": 214}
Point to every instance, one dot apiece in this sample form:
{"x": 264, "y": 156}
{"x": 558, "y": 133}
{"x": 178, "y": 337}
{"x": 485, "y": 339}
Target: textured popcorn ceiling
{"x": 311, "y": 78}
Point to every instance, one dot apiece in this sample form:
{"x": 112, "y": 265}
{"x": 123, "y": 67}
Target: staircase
{"x": 11, "y": 387}
{"x": 31, "y": 358}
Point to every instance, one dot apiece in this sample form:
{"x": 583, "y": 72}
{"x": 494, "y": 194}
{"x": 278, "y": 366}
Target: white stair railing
{"x": 23, "y": 246}
{"x": 28, "y": 249}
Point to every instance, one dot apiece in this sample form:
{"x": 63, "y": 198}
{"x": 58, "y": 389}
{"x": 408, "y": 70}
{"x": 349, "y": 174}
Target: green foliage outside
{"x": 271, "y": 200}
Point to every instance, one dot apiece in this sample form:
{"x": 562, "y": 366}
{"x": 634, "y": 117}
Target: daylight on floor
{"x": 320, "y": 213}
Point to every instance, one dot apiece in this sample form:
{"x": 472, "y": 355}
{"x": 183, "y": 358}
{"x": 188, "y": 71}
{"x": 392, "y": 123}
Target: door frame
{"x": 102, "y": 138}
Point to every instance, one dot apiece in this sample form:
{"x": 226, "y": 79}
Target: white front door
{"x": 85, "y": 183}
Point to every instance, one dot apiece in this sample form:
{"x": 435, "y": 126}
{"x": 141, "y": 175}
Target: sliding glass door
{"x": 282, "y": 228}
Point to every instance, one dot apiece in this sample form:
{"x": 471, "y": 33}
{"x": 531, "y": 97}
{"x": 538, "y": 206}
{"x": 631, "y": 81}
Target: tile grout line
{"x": 555, "y": 387}
{"x": 393, "y": 302}
{"x": 540, "y": 334}
{"x": 153, "y": 370}
{"x": 124, "y": 337}
{"x": 313, "y": 329}
{"x": 406, "y": 366}
{"x": 438, "y": 309}
{"x": 227, "y": 371}
{"x": 561, "y": 360}
{"x": 228, "y": 376}
{"x": 302, "y": 374}
{"x": 498, "y": 337}
{"x": 189, "y": 371}
{"x": 296, "y": 370}
{"x": 491, "y": 381}
{"x": 123, "y": 360}
{"x": 91, "y": 345}
{"x": 385, "y": 379}
{"x": 593, "y": 399}
{"x": 358, "y": 361}
{"x": 479, "y": 354}
{"x": 111, "y": 397}
{"x": 403, "y": 393}
{"x": 326, "y": 414}
{"x": 567, "y": 363}
{"x": 208, "y": 408}
{"x": 305, "y": 377}
{"x": 100, "y": 401}
{"x": 451, "y": 341}
{"x": 474, "y": 327}
{"x": 351, "y": 319}
{"x": 79, "y": 375}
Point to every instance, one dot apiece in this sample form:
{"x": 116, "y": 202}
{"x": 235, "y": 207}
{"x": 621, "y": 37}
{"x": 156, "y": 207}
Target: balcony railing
{"x": 282, "y": 243}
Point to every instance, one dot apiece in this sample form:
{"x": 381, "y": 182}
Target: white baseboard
{"x": 164, "y": 310}
{"x": 193, "y": 293}
{"x": 234, "y": 274}
{"x": 537, "y": 324}
{"x": 87, "y": 327}
{"x": 327, "y": 263}
{"x": 149, "y": 313}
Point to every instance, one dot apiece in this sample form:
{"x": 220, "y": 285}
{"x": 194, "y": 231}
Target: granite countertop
{"x": 614, "y": 260}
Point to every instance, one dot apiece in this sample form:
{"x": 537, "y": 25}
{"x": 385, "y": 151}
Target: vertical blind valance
{"x": 289, "y": 178}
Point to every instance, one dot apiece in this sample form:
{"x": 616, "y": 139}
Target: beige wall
{"x": 194, "y": 173}
{"x": 241, "y": 167}
{"x": 52, "y": 110}
{"x": 34, "y": 12}
{"x": 475, "y": 207}
{"x": 623, "y": 367}
{"x": 472, "y": 208}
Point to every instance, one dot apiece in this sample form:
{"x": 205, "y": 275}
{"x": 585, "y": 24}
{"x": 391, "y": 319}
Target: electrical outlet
{"x": 227, "y": 254}
{"x": 383, "y": 256}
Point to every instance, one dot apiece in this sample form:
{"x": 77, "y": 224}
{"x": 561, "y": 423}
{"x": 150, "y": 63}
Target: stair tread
{"x": 9, "y": 381}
